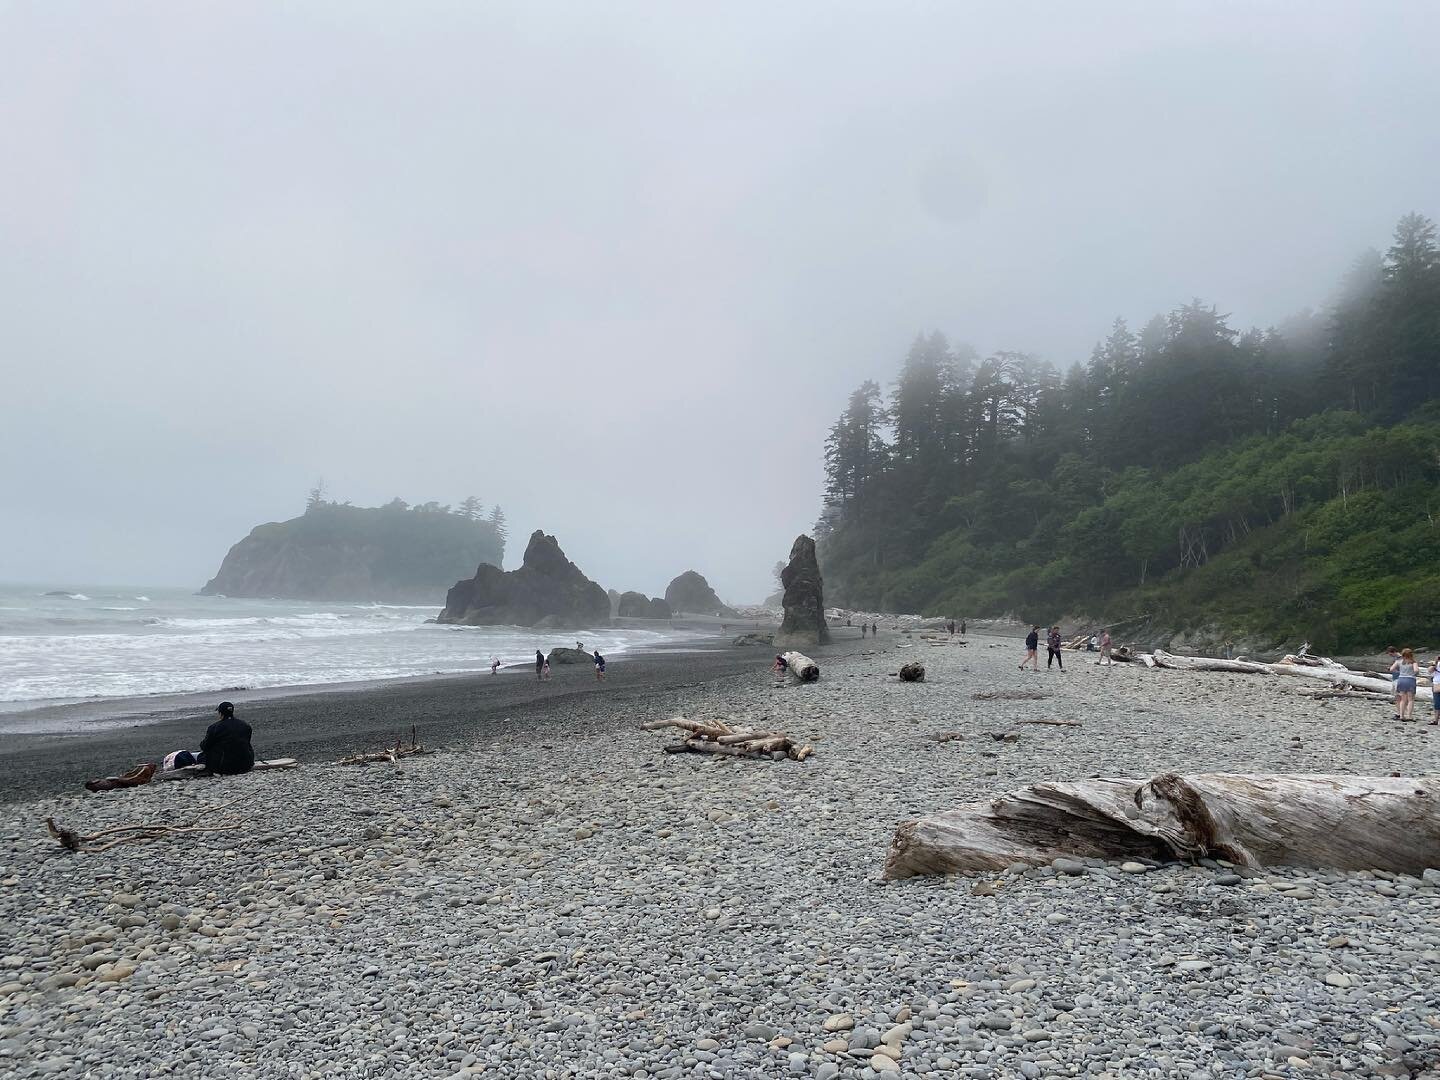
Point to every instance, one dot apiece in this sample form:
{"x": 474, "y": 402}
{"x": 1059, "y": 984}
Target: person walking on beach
{"x": 545, "y": 673}
{"x": 1032, "y": 649}
{"x": 1052, "y": 649}
{"x": 494, "y": 664}
{"x": 599, "y": 666}
{"x": 951, "y": 627}
{"x": 1405, "y": 672}
{"x": 864, "y": 628}
{"x": 1435, "y": 693}
{"x": 1105, "y": 643}
{"x": 539, "y": 665}
{"x": 226, "y": 747}
{"x": 962, "y": 627}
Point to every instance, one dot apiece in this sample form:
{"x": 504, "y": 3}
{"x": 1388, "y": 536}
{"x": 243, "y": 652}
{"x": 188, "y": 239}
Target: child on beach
{"x": 599, "y": 666}
{"x": 1405, "y": 672}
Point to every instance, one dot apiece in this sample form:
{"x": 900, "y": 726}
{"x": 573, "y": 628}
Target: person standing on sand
{"x": 1032, "y": 649}
{"x": 962, "y": 627}
{"x": 864, "y": 629}
{"x": 1052, "y": 649}
{"x": 951, "y": 627}
{"x": 539, "y": 665}
{"x": 599, "y": 666}
{"x": 1105, "y": 643}
{"x": 494, "y": 664}
{"x": 546, "y": 672}
{"x": 1435, "y": 693}
{"x": 1405, "y": 673}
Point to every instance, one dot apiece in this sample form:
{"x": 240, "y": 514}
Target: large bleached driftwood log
{"x": 1339, "y": 822}
{"x": 1329, "y": 671}
{"x": 802, "y": 667}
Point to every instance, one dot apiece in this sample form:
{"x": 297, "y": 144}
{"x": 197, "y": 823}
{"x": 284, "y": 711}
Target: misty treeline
{"x": 1277, "y": 483}
{"x": 471, "y": 509}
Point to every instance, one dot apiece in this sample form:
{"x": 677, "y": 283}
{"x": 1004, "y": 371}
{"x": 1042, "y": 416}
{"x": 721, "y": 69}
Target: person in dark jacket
{"x": 1032, "y": 643}
{"x": 226, "y": 746}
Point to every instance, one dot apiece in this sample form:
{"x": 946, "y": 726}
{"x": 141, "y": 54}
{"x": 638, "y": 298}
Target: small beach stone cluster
{"x": 585, "y": 906}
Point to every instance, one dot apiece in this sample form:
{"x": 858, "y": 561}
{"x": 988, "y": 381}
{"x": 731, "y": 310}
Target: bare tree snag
{"x": 1336, "y": 822}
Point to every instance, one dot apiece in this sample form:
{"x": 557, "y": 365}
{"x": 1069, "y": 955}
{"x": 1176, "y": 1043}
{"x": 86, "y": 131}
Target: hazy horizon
{"x": 617, "y": 269}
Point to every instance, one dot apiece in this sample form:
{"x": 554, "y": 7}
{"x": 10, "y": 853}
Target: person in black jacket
{"x": 226, "y": 746}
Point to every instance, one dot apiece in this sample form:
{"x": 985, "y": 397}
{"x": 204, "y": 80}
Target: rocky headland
{"x": 691, "y": 594}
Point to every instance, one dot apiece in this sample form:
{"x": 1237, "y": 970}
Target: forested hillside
{"x": 1265, "y": 486}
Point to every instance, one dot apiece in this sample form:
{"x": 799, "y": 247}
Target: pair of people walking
{"x": 1052, "y": 649}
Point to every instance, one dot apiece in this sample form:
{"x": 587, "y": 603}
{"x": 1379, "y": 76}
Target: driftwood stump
{"x": 912, "y": 672}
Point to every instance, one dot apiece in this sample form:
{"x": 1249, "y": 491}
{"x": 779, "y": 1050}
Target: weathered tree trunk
{"x": 1331, "y": 673}
{"x": 802, "y": 667}
{"x": 912, "y": 672}
{"x": 1338, "y": 822}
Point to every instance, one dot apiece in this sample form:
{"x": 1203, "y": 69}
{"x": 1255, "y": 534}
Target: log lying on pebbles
{"x": 802, "y": 667}
{"x": 735, "y": 740}
{"x": 912, "y": 672}
{"x": 392, "y": 754}
{"x": 1333, "y": 822}
{"x": 1327, "y": 670}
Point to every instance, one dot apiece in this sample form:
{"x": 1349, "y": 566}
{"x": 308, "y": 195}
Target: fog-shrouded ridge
{"x": 617, "y": 267}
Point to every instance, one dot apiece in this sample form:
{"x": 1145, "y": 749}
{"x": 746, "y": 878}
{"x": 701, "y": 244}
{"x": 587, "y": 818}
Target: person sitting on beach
{"x": 599, "y": 666}
{"x": 539, "y": 665}
{"x": 1032, "y": 649}
{"x": 226, "y": 747}
{"x": 781, "y": 665}
{"x": 1405, "y": 672}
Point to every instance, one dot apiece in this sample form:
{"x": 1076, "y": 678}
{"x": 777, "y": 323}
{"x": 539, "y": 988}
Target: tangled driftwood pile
{"x": 1337, "y": 822}
{"x": 392, "y": 755}
{"x": 720, "y": 737}
{"x": 1335, "y": 675}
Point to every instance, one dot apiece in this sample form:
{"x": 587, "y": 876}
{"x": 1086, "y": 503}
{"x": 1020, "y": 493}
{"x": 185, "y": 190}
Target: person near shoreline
{"x": 1032, "y": 649}
{"x": 494, "y": 664}
{"x": 226, "y": 747}
{"x": 539, "y": 665}
{"x": 545, "y": 673}
{"x": 599, "y": 666}
{"x": 1105, "y": 646}
{"x": 1052, "y": 650}
{"x": 1405, "y": 672}
{"x": 951, "y": 627}
{"x": 864, "y": 629}
{"x": 962, "y": 627}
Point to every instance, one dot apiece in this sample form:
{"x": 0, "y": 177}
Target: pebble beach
{"x": 553, "y": 896}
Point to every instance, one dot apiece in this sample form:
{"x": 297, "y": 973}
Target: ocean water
{"x": 71, "y": 644}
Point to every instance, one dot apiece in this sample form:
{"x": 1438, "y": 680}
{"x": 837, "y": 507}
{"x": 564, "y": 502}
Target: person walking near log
{"x": 1032, "y": 649}
{"x": 1052, "y": 649}
{"x": 1405, "y": 674}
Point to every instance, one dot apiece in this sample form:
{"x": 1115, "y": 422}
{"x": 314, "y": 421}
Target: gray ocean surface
{"x": 64, "y": 644}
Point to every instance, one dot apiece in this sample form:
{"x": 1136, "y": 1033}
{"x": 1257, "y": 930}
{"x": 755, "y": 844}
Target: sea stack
{"x": 635, "y": 605}
{"x": 547, "y": 591}
{"x": 804, "y": 601}
{"x": 691, "y": 594}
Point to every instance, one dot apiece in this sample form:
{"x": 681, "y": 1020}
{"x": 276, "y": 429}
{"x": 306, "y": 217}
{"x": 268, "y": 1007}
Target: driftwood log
{"x": 106, "y": 839}
{"x": 802, "y": 667}
{"x": 1336, "y": 822}
{"x": 1327, "y": 671}
{"x": 912, "y": 672}
{"x": 734, "y": 740}
{"x": 392, "y": 754}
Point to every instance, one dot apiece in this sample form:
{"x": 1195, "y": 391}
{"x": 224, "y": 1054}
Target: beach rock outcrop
{"x": 548, "y": 590}
{"x": 564, "y": 655}
{"x": 804, "y": 601}
{"x": 691, "y": 594}
{"x": 634, "y": 605}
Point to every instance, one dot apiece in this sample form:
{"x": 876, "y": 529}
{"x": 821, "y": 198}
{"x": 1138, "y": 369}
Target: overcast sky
{"x": 617, "y": 266}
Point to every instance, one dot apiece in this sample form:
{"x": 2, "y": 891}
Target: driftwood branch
{"x": 391, "y": 754}
{"x": 133, "y": 834}
{"x": 735, "y": 740}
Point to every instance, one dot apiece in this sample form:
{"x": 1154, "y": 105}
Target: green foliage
{"x": 1188, "y": 471}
